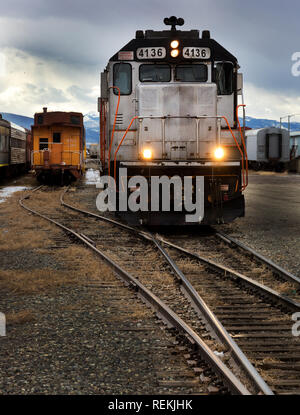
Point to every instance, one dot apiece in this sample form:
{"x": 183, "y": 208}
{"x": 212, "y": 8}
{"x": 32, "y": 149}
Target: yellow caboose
{"x": 58, "y": 146}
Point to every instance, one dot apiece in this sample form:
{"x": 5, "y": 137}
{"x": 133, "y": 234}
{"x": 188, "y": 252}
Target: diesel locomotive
{"x": 169, "y": 107}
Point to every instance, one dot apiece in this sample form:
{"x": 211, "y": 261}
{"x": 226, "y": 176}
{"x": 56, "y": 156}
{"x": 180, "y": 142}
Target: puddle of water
{"x": 5, "y": 192}
{"x": 92, "y": 176}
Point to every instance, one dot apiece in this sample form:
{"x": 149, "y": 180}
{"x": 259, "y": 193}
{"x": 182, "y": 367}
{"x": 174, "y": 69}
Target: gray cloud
{"x": 80, "y": 93}
{"x": 82, "y": 36}
{"x": 46, "y": 94}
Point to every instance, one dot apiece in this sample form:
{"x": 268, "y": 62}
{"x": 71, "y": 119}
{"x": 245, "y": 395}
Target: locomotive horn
{"x": 173, "y": 21}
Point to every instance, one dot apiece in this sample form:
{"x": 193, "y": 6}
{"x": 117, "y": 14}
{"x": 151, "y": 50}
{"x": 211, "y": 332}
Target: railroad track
{"x": 229, "y": 252}
{"x": 218, "y": 295}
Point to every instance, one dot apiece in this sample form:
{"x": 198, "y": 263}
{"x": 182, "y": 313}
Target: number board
{"x": 196, "y": 53}
{"x": 151, "y": 53}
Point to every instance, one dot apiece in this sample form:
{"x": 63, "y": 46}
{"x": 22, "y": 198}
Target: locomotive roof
{"x": 191, "y": 38}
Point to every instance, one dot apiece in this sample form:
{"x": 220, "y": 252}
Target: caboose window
{"x": 224, "y": 78}
{"x": 43, "y": 143}
{"x": 56, "y": 137}
{"x": 191, "y": 73}
{"x": 155, "y": 73}
{"x": 122, "y": 78}
{"x": 75, "y": 119}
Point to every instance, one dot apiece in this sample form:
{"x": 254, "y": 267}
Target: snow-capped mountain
{"x": 91, "y": 123}
{"x": 262, "y": 123}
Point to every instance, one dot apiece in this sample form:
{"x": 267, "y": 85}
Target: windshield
{"x": 191, "y": 73}
{"x": 155, "y": 73}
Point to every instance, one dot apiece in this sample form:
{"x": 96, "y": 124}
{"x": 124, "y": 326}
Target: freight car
{"x": 15, "y": 145}
{"x": 169, "y": 107}
{"x": 58, "y": 153}
{"x": 268, "y": 148}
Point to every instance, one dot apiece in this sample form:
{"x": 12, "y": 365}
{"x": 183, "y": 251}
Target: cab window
{"x": 224, "y": 78}
{"x": 122, "y": 78}
{"x": 155, "y": 73}
{"x": 191, "y": 73}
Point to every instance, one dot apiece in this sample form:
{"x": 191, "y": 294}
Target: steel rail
{"x": 270, "y": 264}
{"x": 103, "y": 218}
{"x": 264, "y": 290}
{"x": 272, "y": 294}
{"x": 232, "y": 382}
{"x": 199, "y": 303}
{"x": 219, "y": 329}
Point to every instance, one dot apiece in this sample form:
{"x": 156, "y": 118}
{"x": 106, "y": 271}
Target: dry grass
{"x": 84, "y": 263}
{"x": 190, "y": 266}
{"x": 285, "y": 288}
{"x": 270, "y": 360}
{"x": 21, "y": 317}
{"x": 81, "y": 267}
{"x": 164, "y": 278}
{"x": 35, "y": 281}
{"x": 22, "y": 228}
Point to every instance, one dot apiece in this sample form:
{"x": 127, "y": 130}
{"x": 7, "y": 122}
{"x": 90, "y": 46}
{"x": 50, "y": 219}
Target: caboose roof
{"x": 57, "y": 117}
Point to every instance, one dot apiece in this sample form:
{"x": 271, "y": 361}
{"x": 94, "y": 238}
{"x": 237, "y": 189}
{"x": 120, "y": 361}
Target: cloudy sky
{"x": 52, "y": 52}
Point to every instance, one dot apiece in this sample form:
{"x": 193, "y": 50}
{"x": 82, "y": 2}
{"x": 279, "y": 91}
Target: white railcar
{"x": 268, "y": 148}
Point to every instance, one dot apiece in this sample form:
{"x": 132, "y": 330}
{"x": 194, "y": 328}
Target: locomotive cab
{"x": 168, "y": 107}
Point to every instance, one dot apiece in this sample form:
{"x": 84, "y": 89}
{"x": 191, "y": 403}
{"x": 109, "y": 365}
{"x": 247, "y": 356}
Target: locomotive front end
{"x": 168, "y": 110}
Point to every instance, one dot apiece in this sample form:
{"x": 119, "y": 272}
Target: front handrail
{"x": 197, "y": 118}
{"x": 240, "y": 150}
{"x": 243, "y": 141}
{"x": 114, "y": 126}
{"x": 116, "y": 152}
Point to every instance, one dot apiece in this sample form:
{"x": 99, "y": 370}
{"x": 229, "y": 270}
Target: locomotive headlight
{"x": 219, "y": 153}
{"x": 174, "y": 53}
{"x": 147, "y": 154}
{"x": 174, "y": 44}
